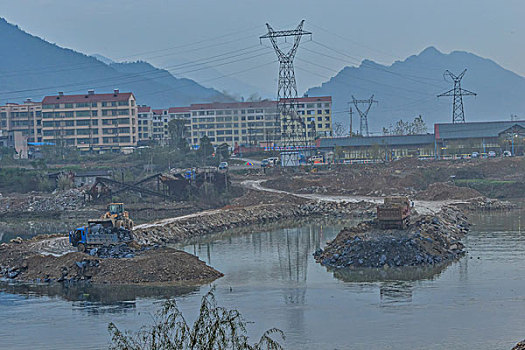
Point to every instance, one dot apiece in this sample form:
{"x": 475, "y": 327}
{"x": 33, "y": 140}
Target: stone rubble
{"x": 429, "y": 240}
{"x": 72, "y": 199}
{"x": 216, "y": 221}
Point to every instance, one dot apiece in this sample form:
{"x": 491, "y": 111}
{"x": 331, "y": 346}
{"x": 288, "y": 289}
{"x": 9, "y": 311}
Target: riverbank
{"x": 196, "y": 225}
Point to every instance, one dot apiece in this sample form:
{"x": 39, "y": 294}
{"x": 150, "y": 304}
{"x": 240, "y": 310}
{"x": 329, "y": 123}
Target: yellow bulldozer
{"x": 118, "y": 216}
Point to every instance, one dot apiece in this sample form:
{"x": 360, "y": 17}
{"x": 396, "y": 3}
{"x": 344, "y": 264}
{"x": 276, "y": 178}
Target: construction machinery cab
{"x": 116, "y": 208}
{"x": 118, "y": 215}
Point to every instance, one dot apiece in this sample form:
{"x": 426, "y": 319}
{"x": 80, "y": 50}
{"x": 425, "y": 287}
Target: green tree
{"x": 176, "y": 129}
{"x": 205, "y": 148}
{"x": 223, "y": 150}
{"x": 419, "y": 126}
{"x": 215, "y": 328}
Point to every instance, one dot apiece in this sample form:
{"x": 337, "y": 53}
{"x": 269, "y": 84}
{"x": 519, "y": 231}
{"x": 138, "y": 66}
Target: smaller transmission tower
{"x": 363, "y": 125}
{"x": 458, "y": 113}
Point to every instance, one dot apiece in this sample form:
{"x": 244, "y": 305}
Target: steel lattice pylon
{"x": 458, "y": 113}
{"x": 292, "y": 127}
{"x": 363, "y": 124}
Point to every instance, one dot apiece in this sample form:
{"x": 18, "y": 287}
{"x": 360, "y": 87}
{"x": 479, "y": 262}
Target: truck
{"x": 98, "y": 233}
{"x": 113, "y": 227}
{"x": 394, "y": 213}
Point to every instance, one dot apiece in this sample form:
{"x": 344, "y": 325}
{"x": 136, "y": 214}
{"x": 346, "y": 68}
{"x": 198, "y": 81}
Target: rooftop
{"x": 474, "y": 130}
{"x": 403, "y": 140}
{"x": 89, "y": 97}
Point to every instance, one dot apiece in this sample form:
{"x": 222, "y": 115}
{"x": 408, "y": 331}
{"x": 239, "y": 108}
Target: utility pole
{"x": 351, "y": 119}
{"x": 293, "y": 127}
{"x": 458, "y": 113}
{"x": 363, "y": 125}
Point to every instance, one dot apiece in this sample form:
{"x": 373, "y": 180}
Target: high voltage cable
{"x": 359, "y": 78}
{"x": 186, "y": 85}
{"x": 212, "y": 79}
{"x": 125, "y": 79}
{"x": 82, "y": 65}
{"x": 405, "y": 76}
{"x": 370, "y": 48}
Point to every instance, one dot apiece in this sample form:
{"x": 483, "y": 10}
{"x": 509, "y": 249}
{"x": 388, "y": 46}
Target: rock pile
{"x": 161, "y": 265}
{"x": 182, "y": 228}
{"x": 519, "y": 346}
{"x": 116, "y": 252}
{"x": 71, "y": 199}
{"x": 429, "y": 240}
{"x": 484, "y": 203}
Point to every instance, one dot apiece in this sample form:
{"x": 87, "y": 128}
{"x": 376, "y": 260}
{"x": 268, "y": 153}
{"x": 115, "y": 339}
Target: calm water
{"x": 476, "y": 303}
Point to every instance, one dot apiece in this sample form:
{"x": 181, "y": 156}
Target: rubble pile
{"x": 71, "y": 199}
{"x": 116, "y": 252}
{"x": 429, "y": 240}
{"x": 182, "y": 228}
{"x": 484, "y": 203}
{"x": 519, "y": 346}
{"x": 133, "y": 266}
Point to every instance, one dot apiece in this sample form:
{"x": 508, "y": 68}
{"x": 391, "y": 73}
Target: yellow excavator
{"x": 118, "y": 216}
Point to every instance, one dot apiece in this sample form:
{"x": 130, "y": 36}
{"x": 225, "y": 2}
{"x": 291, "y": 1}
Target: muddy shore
{"x": 20, "y": 262}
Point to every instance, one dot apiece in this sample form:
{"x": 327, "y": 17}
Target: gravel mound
{"x": 429, "y": 240}
{"x": 156, "y": 266}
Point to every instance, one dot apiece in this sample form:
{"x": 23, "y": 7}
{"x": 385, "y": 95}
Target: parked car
{"x": 507, "y": 154}
{"x": 492, "y": 154}
{"x": 223, "y": 165}
{"x": 475, "y": 155}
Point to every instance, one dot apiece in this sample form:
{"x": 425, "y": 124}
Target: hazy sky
{"x": 223, "y": 34}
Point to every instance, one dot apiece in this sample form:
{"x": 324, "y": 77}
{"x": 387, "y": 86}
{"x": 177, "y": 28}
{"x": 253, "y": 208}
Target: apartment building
{"x": 256, "y": 123}
{"x": 91, "y": 122}
{"x": 26, "y": 118}
{"x": 145, "y": 123}
{"x": 154, "y": 123}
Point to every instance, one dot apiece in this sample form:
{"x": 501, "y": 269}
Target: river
{"x": 273, "y": 280}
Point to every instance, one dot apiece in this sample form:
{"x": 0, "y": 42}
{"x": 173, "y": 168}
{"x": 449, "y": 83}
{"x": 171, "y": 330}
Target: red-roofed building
{"x": 256, "y": 123}
{"x": 91, "y": 122}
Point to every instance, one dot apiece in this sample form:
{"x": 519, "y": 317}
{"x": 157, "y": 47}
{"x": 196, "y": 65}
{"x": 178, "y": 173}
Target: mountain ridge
{"x": 33, "y": 67}
{"x": 409, "y": 87}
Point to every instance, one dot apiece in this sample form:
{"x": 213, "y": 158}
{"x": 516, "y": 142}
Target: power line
{"x": 129, "y": 78}
{"x": 405, "y": 76}
{"x": 77, "y": 66}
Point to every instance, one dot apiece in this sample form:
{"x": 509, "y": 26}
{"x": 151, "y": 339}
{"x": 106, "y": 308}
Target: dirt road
{"x": 422, "y": 207}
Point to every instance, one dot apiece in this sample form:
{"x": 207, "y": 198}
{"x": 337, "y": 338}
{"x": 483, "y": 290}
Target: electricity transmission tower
{"x": 458, "y": 113}
{"x": 363, "y": 126}
{"x": 293, "y": 127}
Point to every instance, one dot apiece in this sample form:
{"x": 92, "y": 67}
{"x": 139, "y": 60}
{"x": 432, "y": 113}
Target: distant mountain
{"x": 103, "y": 59}
{"x": 32, "y": 67}
{"x": 409, "y": 88}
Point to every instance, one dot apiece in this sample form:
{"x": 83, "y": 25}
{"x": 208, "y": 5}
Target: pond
{"x": 273, "y": 280}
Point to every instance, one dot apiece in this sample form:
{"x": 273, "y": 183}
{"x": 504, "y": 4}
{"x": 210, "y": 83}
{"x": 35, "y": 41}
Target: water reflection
{"x": 98, "y": 299}
{"x": 408, "y": 273}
